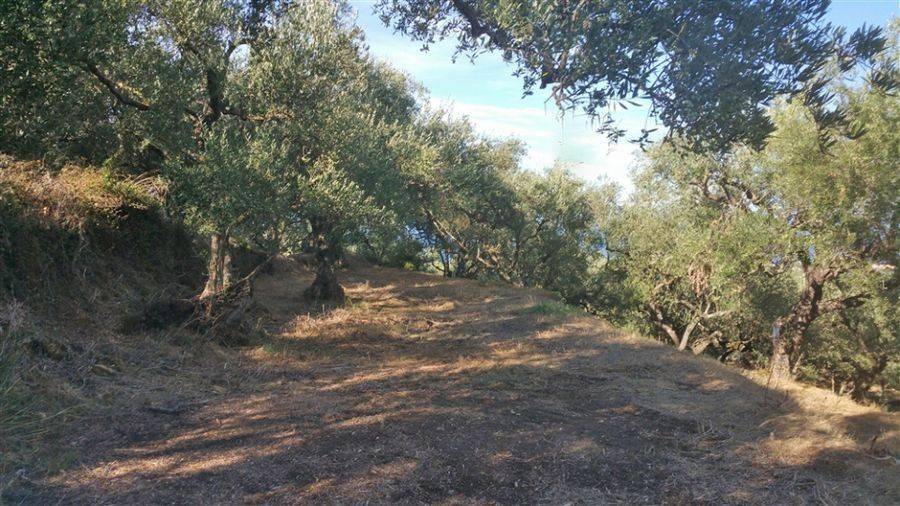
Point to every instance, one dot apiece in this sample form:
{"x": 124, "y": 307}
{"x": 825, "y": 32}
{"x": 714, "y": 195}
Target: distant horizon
{"x": 491, "y": 97}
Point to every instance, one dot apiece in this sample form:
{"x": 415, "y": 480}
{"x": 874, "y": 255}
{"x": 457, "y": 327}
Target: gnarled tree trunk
{"x": 325, "y": 286}
{"x": 780, "y": 362}
{"x": 219, "y": 269}
{"x": 462, "y": 269}
{"x": 789, "y": 330}
{"x": 686, "y": 335}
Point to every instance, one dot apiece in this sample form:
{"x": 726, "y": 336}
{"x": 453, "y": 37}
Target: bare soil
{"x": 428, "y": 390}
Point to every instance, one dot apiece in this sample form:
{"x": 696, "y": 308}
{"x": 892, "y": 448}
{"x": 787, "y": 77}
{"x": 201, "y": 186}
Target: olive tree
{"x": 463, "y": 186}
{"x": 707, "y": 70}
{"x": 355, "y": 184}
{"x": 483, "y": 216}
{"x": 158, "y": 79}
{"x": 805, "y": 227}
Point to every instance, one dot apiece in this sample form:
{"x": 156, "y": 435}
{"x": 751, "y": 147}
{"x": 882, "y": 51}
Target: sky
{"x": 487, "y": 92}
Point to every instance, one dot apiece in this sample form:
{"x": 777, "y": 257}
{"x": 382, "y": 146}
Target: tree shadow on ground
{"x": 437, "y": 391}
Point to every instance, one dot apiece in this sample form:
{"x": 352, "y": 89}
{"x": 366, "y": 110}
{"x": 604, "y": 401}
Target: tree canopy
{"x": 707, "y": 69}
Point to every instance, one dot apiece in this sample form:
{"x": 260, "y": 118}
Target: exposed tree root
{"x": 225, "y": 316}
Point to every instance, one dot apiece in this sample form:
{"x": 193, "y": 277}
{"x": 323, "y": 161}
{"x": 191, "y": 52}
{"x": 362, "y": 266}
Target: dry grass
{"x": 77, "y": 249}
{"x": 424, "y": 389}
{"x": 68, "y": 197}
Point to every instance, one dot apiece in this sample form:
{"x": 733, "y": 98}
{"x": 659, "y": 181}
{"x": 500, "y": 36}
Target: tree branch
{"x": 447, "y": 236}
{"x": 838, "y": 304}
{"x": 115, "y": 89}
{"x": 477, "y": 28}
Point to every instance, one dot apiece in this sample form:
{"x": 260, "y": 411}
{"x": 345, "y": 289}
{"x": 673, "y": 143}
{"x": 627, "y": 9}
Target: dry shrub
{"x": 60, "y": 226}
{"x": 74, "y": 196}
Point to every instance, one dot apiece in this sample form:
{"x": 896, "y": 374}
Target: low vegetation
{"x": 81, "y": 247}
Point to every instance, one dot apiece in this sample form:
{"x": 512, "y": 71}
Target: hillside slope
{"x": 424, "y": 389}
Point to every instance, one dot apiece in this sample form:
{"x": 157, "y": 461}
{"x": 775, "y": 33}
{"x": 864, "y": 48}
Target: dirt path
{"x": 425, "y": 390}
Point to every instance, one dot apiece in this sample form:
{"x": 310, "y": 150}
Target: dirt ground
{"x": 428, "y": 390}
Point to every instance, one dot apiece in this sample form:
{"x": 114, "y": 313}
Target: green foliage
{"x": 713, "y": 250}
{"x": 390, "y": 243}
{"x": 707, "y": 69}
{"x": 481, "y": 216}
{"x": 856, "y": 350}
{"x": 238, "y": 187}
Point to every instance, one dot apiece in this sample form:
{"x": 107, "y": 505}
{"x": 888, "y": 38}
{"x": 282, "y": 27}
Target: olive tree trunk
{"x": 325, "y": 286}
{"x": 780, "y": 361}
{"x": 789, "y": 330}
{"x": 219, "y": 268}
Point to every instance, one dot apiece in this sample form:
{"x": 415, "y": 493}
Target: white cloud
{"x": 606, "y": 161}
{"x": 526, "y": 123}
{"x": 538, "y": 159}
{"x": 414, "y": 61}
{"x": 491, "y": 97}
{"x": 549, "y": 138}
